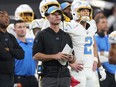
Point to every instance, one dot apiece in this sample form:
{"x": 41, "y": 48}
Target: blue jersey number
{"x": 87, "y": 46}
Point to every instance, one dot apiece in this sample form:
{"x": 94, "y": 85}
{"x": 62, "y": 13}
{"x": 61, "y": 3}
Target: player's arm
{"x": 59, "y": 56}
{"x": 100, "y": 68}
{"x": 96, "y": 54}
{"x": 112, "y": 54}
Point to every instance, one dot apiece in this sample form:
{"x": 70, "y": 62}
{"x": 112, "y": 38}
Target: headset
{"x": 46, "y": 14}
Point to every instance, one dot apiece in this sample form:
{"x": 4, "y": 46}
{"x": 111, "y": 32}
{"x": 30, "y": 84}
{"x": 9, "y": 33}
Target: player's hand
{"x": 94, "y": 66}
{"x": 102, "y": 73}
{"x": 77, "y": 66}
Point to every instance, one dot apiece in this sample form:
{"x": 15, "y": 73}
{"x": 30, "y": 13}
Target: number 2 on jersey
{"x": 87, "y": 46}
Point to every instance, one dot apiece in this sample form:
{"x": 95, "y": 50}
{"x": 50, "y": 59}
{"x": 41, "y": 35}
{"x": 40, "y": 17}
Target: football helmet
{"x": 45, "y": 4}
{"x": 112, "y": 37}
{"x": 74, "y": 3}
{"x": 25, "y": 13}
{"x": 65, "y": 5}
{"x": 77, "y": 6}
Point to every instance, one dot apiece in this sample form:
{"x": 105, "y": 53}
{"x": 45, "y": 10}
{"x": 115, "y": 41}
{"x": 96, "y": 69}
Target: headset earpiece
{"x": 46, "y": 14}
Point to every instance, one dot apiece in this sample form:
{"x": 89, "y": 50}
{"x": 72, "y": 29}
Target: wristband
{"x": 95, "y": 59}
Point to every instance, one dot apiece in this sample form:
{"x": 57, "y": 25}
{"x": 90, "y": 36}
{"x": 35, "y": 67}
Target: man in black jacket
{"x": 48, "y": 46}
{"x": 9, "y": 49}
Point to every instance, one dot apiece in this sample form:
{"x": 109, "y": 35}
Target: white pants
{"x": 87, "y": 78}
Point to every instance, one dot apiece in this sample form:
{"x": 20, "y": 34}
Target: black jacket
{"x": 7, "y": 57}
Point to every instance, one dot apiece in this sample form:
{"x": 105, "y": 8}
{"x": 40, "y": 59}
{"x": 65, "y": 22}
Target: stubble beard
{"x": 3, "y": 26}
{"x": 55, "y": 23}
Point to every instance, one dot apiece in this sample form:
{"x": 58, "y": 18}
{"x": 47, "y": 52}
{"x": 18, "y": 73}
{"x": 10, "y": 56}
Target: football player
{"x": 66, "y": 9}
{"x": 112, "y": 53}
{"x": 82, "y": 29}
{"x": 103, "y": 45}
{"x": 23, "y": 12}
{"x": 43, "y": 22}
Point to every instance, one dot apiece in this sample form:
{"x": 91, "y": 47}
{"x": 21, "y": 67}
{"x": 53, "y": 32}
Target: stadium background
{"x": 11, "y": 5}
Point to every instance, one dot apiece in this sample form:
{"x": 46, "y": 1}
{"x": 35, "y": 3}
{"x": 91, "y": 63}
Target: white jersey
{"x": 83, "y": 41}
{"x": 29, "y": 33}
{"x": 37, "y": 23}
{"x": 40, "y": 23}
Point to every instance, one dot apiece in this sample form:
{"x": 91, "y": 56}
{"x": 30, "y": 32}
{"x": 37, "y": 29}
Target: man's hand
{"x": 77, "y": 66}
{"x": 102, "y": 73}
{"x": 70, "y": 58}
{"x": 59, "y": 56}
{"x": 63, "y": 56}
{"x": 94, "y": 66}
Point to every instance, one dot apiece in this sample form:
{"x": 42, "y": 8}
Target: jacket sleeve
{"x": 4, "y": 55}
{"x": 17, "y": 51}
